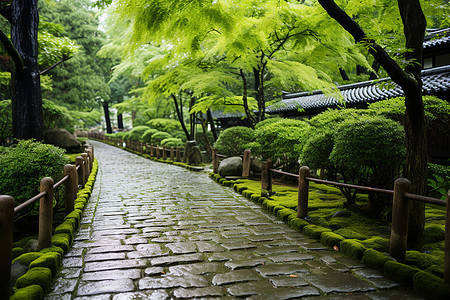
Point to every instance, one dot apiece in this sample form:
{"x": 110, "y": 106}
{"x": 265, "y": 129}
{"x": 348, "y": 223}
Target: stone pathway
{"x": 157, "y": 231}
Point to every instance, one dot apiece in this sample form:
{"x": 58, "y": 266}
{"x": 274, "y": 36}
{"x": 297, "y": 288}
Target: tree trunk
{"x": 180, "y": 116}
{"x": 248, "y": 113}
{"x": 107, "y": 118}
{"x": 211, "y": 121}
{"x": 26, "y": 87}
{"x": 120, "y": 121}
{"x": 415, "y": 170}
{"x": 192, "y": 118}
{"x": 259, "y": 88}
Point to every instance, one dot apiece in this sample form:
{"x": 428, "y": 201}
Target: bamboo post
{"x": 45, "y": 214}
{"x": 447, "y": 241}
{"x": 172, "y": 153}
{"x": 303, "y": 189}
{"x": 246, "y": 163}
{"x": 266, "y": 178}
{"x": 70, "y": 187}
{"x": 6, "y": 236}
{"x": 215, "y": 161}
{"x": 400, "y": 219}
{"x": 79, "y": 162}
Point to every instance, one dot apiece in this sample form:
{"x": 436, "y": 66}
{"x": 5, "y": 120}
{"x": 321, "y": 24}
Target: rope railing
{"x": 71, "y": 182}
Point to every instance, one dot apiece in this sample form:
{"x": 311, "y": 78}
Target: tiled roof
{"x": 436, "y": 80}
{"x": 437, "y": 38}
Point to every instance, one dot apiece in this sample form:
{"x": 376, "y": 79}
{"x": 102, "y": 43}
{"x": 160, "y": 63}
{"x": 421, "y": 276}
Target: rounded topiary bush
{"x": 147, "y": 135}
{"x": 158, "y": 137}
{"x": 172, "y": 142}
{"x": 317, "y": 150}
{"x": 234, "y": 140}
{"x": 136, "y": 133}
{"x": 22, "y": 166}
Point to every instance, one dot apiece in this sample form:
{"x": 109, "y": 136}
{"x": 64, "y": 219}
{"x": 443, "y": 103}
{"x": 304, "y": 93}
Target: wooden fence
{"x": 74, "y": 176}
{"x": 400, "y": 207}
{"x": 175, "y": 154}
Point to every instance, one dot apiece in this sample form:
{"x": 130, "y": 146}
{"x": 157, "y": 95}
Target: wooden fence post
{"x": 172, "y": 153}
{"x": 303, "y": 190}
{"x": 86, "y": 167}
{"x": 157, "y": 152}
{"x": 70, "y": 187}
{"x": 400, "y": 219}
{"x": 266, "y": 178}
{"x": 164, "y": 154}
{"x": 447, "y": 241}
{"x": 80, "y": 171}
{"x": 45, "y": 214}
{"x": 215, "y": 161}
{"x": 178, "y": 155}
{"x": 246, "y": 163}
{"x": 6, "y": 236}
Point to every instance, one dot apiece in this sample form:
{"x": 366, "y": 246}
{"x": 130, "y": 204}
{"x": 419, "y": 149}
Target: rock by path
{"x": 157, "y": 231}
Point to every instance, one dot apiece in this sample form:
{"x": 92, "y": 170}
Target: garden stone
{"x": 341, "y": 214}
{"x": 60, "y": 137}
{"x": 256, "y": 165}
{"x": 192, "y": 154}
{"x": 231, "y": 166}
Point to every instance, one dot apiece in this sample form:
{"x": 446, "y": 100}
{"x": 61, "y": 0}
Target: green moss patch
{"x": 315, "y": 231}
{"x": 61, "y": 240}
{"x": 331, "y": 239}
{"x": 353, "y": 248}
{"x": 39, "y": 276}
{"x": 298, "y": 223}
{"x": 431, "y": 286}
{"x": 375, "y": 259}
{"x": 350, "y": 234}
{"x": 31, "y": 292}
{"x": 53, "y": 249}
{"x": 400, "y": 272}
{"x": 421, "y": 260}
{"x": 377, "y": 243}
{"x": 26, "y": 258}
{"x": 17, "y": 251}
{"x": 50, "y": 260}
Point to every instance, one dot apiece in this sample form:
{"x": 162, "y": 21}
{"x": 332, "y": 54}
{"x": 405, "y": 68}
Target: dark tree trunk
{"x": 179, "y": 111}
{"x": 259, "y": 88}
{"x": 211, "y": 122}
{"x": 409, "y": 79}
{"x": 26, "y": 87}
{"x": 344, "y": 74}
{"x": 248, "y": 113}
{"x": 107, "y": 118}
{"x": 192, "y": 118}
{"x": 120, "y": 121}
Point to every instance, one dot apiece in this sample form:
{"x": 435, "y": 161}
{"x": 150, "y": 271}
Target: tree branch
{"x": 11, "y": 50}
{"x": 391, "y": 66}
{"x": 54, "y": 65}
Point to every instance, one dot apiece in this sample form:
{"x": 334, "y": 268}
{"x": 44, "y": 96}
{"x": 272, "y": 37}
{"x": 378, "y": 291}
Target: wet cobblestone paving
{"x": 157, "y": 231}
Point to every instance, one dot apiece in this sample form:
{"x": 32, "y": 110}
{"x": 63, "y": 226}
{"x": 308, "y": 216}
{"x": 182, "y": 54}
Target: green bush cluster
{"x": 44, "y": 265}
{"x": 234, "y": 140}
{"x": 23, "y": 165}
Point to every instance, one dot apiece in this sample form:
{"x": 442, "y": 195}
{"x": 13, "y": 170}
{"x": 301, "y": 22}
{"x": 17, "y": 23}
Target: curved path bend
{"x": 158, "y": 231}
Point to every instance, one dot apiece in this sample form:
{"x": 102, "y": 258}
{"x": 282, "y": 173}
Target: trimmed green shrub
{"x": 400, "y": 272}
{"x": 136, "y": 133}
{"x": 31, "y": 292}
{"x": 353, "y": 248}
{"x": 40, "y": 276}
{"x": 147, "y": 135}
{"x": 282, "y": 140}
{"x": 159, "y": 136}
{"x": 317, "y": 150}
{"x": 166, "y": 125}
{"x": 369, "y": 152}
{"x": 22, "y": 166}
{"x": 375, "y": 259}
{"x": 431, "y": 286}
{"x": 234, "y": 140}
{"x": 172, "y": 142}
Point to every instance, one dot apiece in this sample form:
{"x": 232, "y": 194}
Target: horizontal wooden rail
{"x": 426, "y": 199}
{"x": 20, "y": 207}
{"x": 56, "y": 185}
